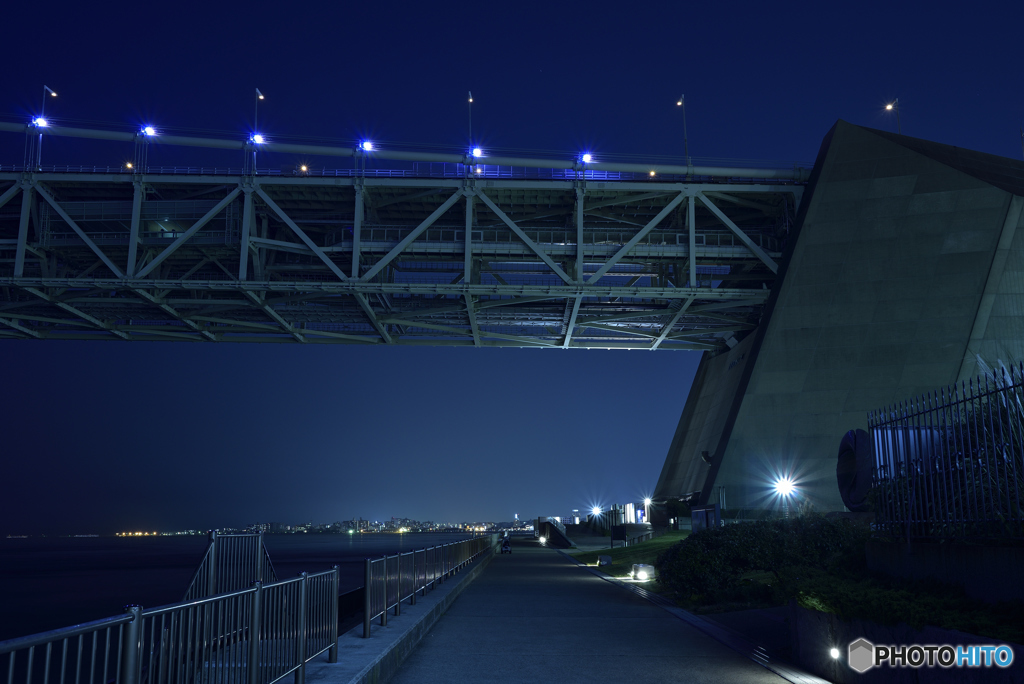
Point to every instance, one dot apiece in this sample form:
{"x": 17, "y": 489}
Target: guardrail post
{"x": 398, "y": 594}
{"x": 255, "y": 621}
{"x": 367, "y": 590}
{"x": 300, "y": 633}
{"x": 384, "y": 613}
{"x": 131, "y": 656}
{"x": 332, "y": 654}
{"x": 211, "y": 557}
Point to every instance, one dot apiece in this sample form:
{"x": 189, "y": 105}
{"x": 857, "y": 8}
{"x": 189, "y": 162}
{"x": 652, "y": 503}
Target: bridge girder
{"x": 377, "y": 260}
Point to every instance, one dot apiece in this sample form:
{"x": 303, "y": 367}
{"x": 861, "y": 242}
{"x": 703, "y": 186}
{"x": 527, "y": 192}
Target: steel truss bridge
{"x": 440, "y": 251}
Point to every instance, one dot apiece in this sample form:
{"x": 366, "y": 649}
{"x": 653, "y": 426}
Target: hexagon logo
{"x": 861, "y": 655}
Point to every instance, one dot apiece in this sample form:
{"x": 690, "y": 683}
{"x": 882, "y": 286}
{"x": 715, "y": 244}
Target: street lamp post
{"x": 686, "y": 143}
{"x": 895, "y": 104}
{"x": 255, "y": 126}
{"x": 41, "y": 121}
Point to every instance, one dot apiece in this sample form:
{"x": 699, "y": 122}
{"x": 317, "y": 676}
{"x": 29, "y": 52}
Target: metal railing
{"x": 232, "y": 562}
{"x": 256, "y": 635}
{"x": 390, "y": 580}
{"x": 950, "y": 464}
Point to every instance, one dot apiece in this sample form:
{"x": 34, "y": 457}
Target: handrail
{"x": 256, "y": 635}
{"x": 391, "y": 580}
{"x": 795, "y": 173}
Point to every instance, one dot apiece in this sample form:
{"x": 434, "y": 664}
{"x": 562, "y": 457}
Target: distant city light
{"x": 784, "y": 486}
{"x": 258, "y": 139}
{"x": 586, "y": 158}
{"x": 367, "y": 146}
{"x": 149, "y": 130}
{"x": 477, "y": 152}
{"x": 40, "y": 121}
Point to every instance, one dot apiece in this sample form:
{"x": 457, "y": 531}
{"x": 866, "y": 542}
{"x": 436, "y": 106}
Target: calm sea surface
{"x": 52, "y": 582}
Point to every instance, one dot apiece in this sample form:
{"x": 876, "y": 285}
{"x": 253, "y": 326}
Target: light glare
{"x": 367, "y": 146}
{"x": 586, "y": 158}
{"x": 477, "y": 152}
{"x": 40, "y": 121}
{"x": 784, "y": 486}
{"x": 642, "y": 575}
{"x": 834, "y": 652}
{"x": 149, "y": 130}
{"x": 888, "y": 106}
{"x": 647, "y": 502}
{"x": 596, "y": 510}
{"x": 258, "y": 139}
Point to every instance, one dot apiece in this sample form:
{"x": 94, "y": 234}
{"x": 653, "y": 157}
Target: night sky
{"x": 97, "y": 437}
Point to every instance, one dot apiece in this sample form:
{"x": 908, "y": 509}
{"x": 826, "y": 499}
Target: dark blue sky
{"x": 104, "y": 436}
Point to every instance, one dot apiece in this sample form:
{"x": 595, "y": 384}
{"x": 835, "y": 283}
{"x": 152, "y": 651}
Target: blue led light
{"x": 258, "y": 139}
{"x": 367, "y": 146}
{"x": 586, "y": 158}
{"x": 40, "y": 121}
{"x": 477, "y": 152}
{"x": 149, "y": 130}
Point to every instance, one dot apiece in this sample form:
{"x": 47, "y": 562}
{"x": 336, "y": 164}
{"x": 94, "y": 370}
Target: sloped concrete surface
{"x": 535, "y": 616}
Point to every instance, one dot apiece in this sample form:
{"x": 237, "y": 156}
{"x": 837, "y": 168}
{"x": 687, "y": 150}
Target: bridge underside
{"x": 639, "y": 264}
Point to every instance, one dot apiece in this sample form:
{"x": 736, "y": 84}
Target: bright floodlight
{"x": 477, "y": 152}
{"x": 784, "y": 486}
{"x": 652, "y": 174}
{"x": 647, "y": 502}
{"x": 367, "y": 146}
{"x": 596, "y": 510}
{"x": 834, "y": 652}
{"x": 543, "y": 540}
{"x": 888, "y": 106}
{"x": 40, "y": 121}
{"x": 641, "y": 575}
{"x": 303, "y": 168}
{"x": 586, "y": 158}
{"x": 128, "y": 165}
{"x": 258, "y": 139}
{"x": 149, "y": 130}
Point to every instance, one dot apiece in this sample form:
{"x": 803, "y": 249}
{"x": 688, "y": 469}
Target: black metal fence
{"x": 949, "y": 464}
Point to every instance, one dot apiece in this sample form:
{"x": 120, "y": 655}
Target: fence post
{"x": 415, "y": 579}
{"x": 332, "y": 655}
{"x": 384, "y": 613}
{"x": 300, "y": 633}
{"x": 255, "y": 620}
{"x": 367, "y": 590}
{"x": 258, "y": 554}
{"x": 131, "y": 658}
{"x": 398, "y": 594}
{"x": 211, "y": 587}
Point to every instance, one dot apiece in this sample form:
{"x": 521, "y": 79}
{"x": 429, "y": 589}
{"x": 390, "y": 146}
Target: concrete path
{"x": 533, "y": 616}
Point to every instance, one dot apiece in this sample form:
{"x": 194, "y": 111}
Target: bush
{"x": 710, "y": 565}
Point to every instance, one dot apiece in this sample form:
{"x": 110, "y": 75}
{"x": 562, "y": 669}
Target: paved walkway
{"x": 533, "y": 616}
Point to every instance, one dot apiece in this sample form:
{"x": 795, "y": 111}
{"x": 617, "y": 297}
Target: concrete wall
{"x": 882, "y": 293}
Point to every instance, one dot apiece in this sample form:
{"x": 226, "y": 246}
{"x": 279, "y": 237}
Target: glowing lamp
{"x": 642, "y": 572}
{"x": 258, "y": 139}
{"x": 586, "y": 158}
{"x": 647, "y": 502}
{"x": 596, "y": 510}
{"x": 784, "y": 486}
{"x": 367, "y": 146}
{"x": 477, "y": 152}
{"x": 40, "y": 121}
{"x": 149, "y": 130}
{"x": 834, "y": 652}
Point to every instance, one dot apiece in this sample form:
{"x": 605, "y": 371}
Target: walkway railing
{"x": 256, "y": 635}
{"x": 232, "y": 562}
{"x": 390, "y": 580}
{"x": 950, "y": 464}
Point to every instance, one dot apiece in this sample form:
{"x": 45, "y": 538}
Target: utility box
{"x": 704, "y": 517}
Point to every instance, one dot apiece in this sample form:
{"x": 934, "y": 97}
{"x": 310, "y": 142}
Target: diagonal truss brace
{"x": 174, "y": 313}
{"x": 17, "y": 326}
{"x": 637, "y": 238}
{"x": 81, "y": 233}
{"x": 78, "y": 312}
{"x": 744, "y": 238}
{"x": 401, "y": 246}
{"x": 525, "y": 238}
{"x": 273, "y": 315}
{"x": 187, "y": 235}
{"x": 360, "y": 298}
{"x": 671, "y": 323}
{"x": 572, "y": 321}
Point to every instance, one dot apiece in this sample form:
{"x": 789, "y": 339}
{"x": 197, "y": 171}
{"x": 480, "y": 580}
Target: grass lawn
{"x": 624, "y": 557}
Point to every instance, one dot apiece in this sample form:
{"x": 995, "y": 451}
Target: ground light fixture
{"x": 542, "y": 539}
{"x": 642, "y": 572}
